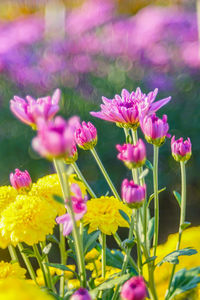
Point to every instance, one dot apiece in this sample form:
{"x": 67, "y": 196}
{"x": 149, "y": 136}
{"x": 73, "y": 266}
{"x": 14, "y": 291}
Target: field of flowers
{"x": 99, "y": 199}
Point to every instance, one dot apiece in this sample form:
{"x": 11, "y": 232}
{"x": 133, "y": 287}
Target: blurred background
{"x": 96, "y": 48}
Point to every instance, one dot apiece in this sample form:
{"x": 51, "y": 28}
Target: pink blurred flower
{"x": 55, "y": 139}
{"x": 127, "y": 110}
{"x": 133, "y": 194}
{"x": 155, "y": 129}
{"x": 134, "y": 289}
{"x": 30, "y": 110}
{"x": 86, "y": 136}
{"x": 81, "y": 294}
{"x": 133, "y": 156}
{"x": 21, "y": 180}
{"x": 181, "y": 150}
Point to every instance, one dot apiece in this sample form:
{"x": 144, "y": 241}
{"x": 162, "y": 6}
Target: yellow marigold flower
{"x": 110, "y": 272}
{"x": 73, "y": 284}
{"x": 7, "y": 195}
{"x": 40, "y": 276}
{"x": 12, "y": 289}
{"x": 67, "y": 274}
{"x": 29, "y": 219}
{"x": 92, "y": 255}
{"x": 8, "y": 270}
{"x": 103, "y": 214}
{"x": 190, "y": 237}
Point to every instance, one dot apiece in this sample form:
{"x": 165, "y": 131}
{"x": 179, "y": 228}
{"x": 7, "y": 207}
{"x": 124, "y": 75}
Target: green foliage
{"x": 89, "y": 240}
{"x": 152, "y": 195}
{"x": 61, "y": 267}
{"x": 178, "y": 197}
{"x": 173, "y": 256}
{"x": 58, "y": 199}
{"x": 124, "y": 216}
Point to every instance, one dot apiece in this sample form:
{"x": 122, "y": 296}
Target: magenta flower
{"x": 127, "y": 110}
{"x": 86, "y": 136}
{"x": 55, "y": 139}
{"x": 134, "y": 289}
{"x": 21, "y": 180}
{"x": 181, "y": 150}
{"x": 81, "y": 294}
{"x": 155, "y": 129}
{"x": 30, "y": 110}
{"x": 133, "y": 194}
{"x": 133, "y": 156}
{"x": 79, "y": 208}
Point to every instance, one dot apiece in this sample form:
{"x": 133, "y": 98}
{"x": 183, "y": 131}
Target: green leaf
{"x": 151, "y": 227}
{"x": 61, "y": 267}
{"x": 28, "y": 252}
{"x": 173, "y": 256}
{"x": 52, "y": 239}
{"x": 152, "y": 258}
{"x": 47, "y": 249}
{"x": 89, "y": 240}
{"x": 144, "y": 173}
{"x": 128, "y": 243}
{"x": 114, "y": 258}
{"x": 152, "y": 195}
{"x": 149, "y": 165}
{"x": 124, "y": 216}
{"x": 58, "y": 199}
{"x": 183, "y": 281}
{"x": 109, "y": 284}
{"x": 178, "y": 197}
{"x": 185, "y": 225}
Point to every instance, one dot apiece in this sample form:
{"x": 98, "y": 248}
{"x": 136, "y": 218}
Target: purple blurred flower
{"x": 21, "y": 180}
{"x": 81, "y": 294}
{"x": 54, "y": 139}
{"x": 181, "y": 150}
{"x": 86, "y": 135}
{"x": 155, "y": 129}
{"x": 134, "y": 289}
{"x": 133, "y": 194}
{"x": 79, "y": 208}
{"x": 30, "y": 110}
{"x": 127, "y": 110}
{"x": 133, "y": 156}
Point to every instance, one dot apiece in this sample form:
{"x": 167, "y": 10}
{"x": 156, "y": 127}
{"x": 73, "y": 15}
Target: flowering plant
{"x": 88, "y": 269}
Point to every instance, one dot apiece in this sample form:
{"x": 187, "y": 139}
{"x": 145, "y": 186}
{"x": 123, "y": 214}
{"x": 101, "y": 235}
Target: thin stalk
{"x": 182, "y": 219}
{"x": 103, "y": 255}
{"x": 156, "y": 199}
{"x": 104, "y": 172}
{"x": 27, "y": 263}
{"x": 135, "y": 136}
{"x": 60, "y": 167}
{"x": 13, "y": 253}
{"x": 82, "y": 178}
{"x": 139, "y": 254}
{"x": 126, "y": 257}
{"x": 38, "y": 257}
{"x": 46, "y": 268}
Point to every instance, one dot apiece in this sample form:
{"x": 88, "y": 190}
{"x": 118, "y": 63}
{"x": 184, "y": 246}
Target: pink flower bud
{"x": 86, "y": 136}
{"x": 55, "y": 139}
{"x": 21, "y": 180}
{"x": 155, "y": 129}
{"x": 134, "y": 156}
{"x": 134, "y": 289}
{"x": 30, "y": 110}
{"x": 133, "y": 194}
{"x": 181, "y": 150}
{"x": 81, "y": 294}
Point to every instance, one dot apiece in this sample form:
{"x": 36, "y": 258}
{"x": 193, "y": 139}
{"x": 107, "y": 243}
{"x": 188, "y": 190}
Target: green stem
{"x": 82, "y": 178}
{"x": 139, "y": 254}
{"x": 13, "y": 253}
{"x": 27, "y": 263}
{"x": 46, "y": 268}
{"x": 135, "y": 136}
{"x": 104, "y": 172}
{"x": 156, "y": 199}
{"x": 38, "y": 257}
{"x": 60, "y": 168}
{"x": 182, "y": 219}
{"x": 126, "y": 257}
{"x": 103, "y": 255}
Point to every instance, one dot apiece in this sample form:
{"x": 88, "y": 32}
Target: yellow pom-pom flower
{"x": 8, "y": 270}
{"x": 29, "y": 219}
{"x": 73, "y": 284}
{"x": 103, "y": 214}
{"x": 92, "y": 255}
{"x": 12, "y": 289}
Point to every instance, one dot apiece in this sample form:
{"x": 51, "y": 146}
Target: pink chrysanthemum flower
{"x": 126, "y": 110}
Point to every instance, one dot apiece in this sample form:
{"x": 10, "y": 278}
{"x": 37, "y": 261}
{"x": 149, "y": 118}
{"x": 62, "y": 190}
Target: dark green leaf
{"x": 52, "y": 239}
{"x": 128, "y": 243}
{"x": 173, "y": 256}
{"x": 152, "y": 258}
{"x": 149, "y": 165}
{"x": 178, "y": 197}
{"x": 114, "y": 258}
{"x": 58, "y": 199}
{"x": 124, "y": 216}
{"x": 29, "y": 252}
{"x": 185, "y": 225}
{"x": 61, "y": 267}
{"x": 91, "y": 239}
{"x": 151, "y": 227}
{"x": 152, "y": 195}
{"x": 109, "y": 284}
{"x": 183, "y": 281}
